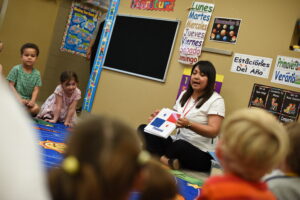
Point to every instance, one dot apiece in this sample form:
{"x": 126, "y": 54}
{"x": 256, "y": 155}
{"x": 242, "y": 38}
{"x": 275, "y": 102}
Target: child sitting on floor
{"x": 286, "y": 185}
{"x": 61, "y": 105}
{"x": 252, "y": 143}
{"x": 104, "y": 161}
{"x": 25, "y": 80}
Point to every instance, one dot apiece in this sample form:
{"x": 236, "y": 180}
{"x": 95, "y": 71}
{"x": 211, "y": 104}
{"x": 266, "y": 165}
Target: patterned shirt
{"x": 24, "y": 82}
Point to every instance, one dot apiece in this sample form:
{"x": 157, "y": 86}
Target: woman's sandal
{"x": 174, "y": 163}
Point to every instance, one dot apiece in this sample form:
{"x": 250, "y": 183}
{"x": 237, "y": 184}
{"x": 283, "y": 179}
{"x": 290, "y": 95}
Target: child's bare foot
{"x": 172, "y": 163}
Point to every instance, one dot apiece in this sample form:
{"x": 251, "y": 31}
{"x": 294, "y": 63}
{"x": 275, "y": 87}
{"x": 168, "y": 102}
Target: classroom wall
{"x": 266, "y": 30}
{"x": 59, "y": 61}
{"x": 27, "y": 21}
{"x": 42, "y": 22}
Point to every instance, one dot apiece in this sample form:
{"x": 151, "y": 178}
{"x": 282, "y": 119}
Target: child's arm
{"x": 12, "y": 86}
{"x": 71, "y": 112}
{"x": 57, "y": 108}
{"x": 33, "y": 96}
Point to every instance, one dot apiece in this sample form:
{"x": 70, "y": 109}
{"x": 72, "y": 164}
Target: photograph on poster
{"x": 225, "y": 30}
{"x": 284, "y": 104}
{"x": 275, "y": 100}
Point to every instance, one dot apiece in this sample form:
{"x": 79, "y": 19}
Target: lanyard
{"x": 187, "y": 103}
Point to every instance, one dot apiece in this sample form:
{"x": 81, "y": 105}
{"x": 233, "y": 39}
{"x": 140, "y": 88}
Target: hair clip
{"x": 143, "y": 157}
{"x": 70, "y": 165}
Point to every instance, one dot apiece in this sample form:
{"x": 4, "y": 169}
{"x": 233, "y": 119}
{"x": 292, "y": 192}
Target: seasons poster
{"x": 285, "y": 104}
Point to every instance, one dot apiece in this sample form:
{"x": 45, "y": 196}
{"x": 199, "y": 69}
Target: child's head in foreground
{"x": 252, "y": 143}
{"x": 292, "y": 160}
{"x": 103, "y": 161}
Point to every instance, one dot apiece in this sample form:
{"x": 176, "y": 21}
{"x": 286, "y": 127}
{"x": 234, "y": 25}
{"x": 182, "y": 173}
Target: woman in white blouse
{"x": 202, "y": 111}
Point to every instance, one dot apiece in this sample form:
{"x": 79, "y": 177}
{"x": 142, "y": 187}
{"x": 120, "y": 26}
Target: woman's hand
{"x": 153, "y": 115}
{"x": 209, "y": 130}
{"x": 183, "y": 123}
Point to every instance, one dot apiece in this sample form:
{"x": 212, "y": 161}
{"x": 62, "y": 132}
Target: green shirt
{"x": 24, "y": 82}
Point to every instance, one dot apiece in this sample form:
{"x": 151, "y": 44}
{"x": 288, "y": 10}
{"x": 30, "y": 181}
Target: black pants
{"x": 189, "y": 156}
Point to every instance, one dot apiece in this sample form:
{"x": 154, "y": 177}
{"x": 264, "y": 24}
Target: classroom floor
{"x": 199, "y": 175}
{"x": 52, "y": 142}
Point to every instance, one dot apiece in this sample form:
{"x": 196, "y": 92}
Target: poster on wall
{"x": 287, "y": 71}
{"x": 194, "y": 32}
{"x": 251, "y": 65}
{"x": 185, "y": 80}
{"x": 160, "y": 5}
{"x": 99, "y": 58}
{"x": 79, "y": 30}
{"x": 103, "y": 4}
{"x": 284, "y": 104}
{"x": 225, "y": 30}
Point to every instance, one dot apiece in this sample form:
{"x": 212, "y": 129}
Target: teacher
{"x": 202, "y": 112}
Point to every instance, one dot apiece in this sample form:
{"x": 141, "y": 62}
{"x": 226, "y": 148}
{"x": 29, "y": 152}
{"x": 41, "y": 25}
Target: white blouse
{"x": 213, "y": 106}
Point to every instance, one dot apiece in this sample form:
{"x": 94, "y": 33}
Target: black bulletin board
{"x": 141, "y": 46}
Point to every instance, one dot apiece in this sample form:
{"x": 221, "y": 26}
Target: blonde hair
{"x": 253, "y": 142}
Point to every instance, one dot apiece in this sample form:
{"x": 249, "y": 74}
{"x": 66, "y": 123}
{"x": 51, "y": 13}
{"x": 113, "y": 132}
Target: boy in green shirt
{"x": 25, "y": 80}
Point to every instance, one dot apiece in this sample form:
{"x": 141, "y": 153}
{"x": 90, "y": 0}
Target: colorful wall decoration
{"x": 287, "y": 71}
{"x": 284, "y": 104}
{"x": 100, "y": 55}
{"x": 81, "y": 25}
{"x": 251, "y": 65}
{"x": 194, "y": 32}
{"x": 160, "y": 5}
{"x": 187, "y": 76}
{"x": 225, "y": 30}
{"x": 103, "y": 4}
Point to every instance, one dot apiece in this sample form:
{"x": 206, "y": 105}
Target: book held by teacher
{"x": 163, "y": 124}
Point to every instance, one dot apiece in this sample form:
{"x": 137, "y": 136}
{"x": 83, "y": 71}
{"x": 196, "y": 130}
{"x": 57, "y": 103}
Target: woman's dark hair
{"x": 208, "y": 69}
{"x": 67, "y": 76}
